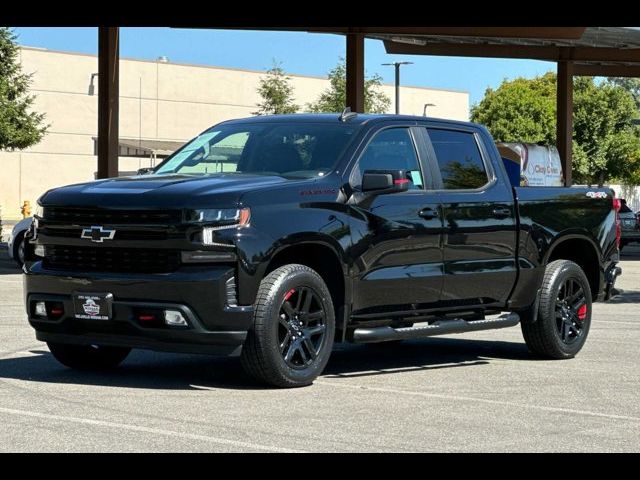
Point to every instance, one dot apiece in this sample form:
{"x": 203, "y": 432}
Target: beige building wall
{"x": 158, "y": 101}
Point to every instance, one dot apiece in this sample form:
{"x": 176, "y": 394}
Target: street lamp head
{"x": 92, "y": 88}
{"x": 393, "y": 64}
{"x": 424, "y": 111}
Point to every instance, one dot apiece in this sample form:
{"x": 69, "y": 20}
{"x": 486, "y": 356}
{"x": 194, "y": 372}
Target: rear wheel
{"x": 564, "y": 314}
{"x": 294, "y": 325}
{"x": 88, "y": 357}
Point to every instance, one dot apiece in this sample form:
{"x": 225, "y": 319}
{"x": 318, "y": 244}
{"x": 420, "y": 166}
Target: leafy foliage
{"x": 276, "y": 92}
{"x": 606, "y": 146}
{"x": 334, "y": 98}
{"x": 19, "y": 126}
{"x": 631, "y": 85}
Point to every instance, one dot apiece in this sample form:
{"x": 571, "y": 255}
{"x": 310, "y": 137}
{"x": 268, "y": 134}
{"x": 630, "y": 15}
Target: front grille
{"x": 117, "y": 260}
{"x": 94, "y": 216}
{"x": 120, "y": 234}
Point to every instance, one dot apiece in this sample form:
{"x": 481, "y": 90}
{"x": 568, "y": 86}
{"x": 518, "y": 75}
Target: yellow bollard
{"x": 26, "y": 209}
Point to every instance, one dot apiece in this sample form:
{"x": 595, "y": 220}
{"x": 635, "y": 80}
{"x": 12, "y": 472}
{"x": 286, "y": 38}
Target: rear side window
{"x": 459, "y": 159}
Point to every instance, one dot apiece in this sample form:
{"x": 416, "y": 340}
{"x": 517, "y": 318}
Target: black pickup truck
{"x": 274, "y": 237}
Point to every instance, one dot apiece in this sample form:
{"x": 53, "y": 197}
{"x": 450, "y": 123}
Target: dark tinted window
{"x": 391, "y": 149}
{"x": 459, "y": 158}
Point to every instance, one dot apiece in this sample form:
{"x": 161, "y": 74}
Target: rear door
{"x": 479, "y": 231}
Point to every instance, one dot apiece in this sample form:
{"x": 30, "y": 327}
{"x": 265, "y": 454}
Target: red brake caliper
{"x": 582, "y": 312}
{"x": 287, "y": 295}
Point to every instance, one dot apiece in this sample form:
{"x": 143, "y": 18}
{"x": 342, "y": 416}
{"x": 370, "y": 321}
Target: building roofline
{"x": 216, "y": 67}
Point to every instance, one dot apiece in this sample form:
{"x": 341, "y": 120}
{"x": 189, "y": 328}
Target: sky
{"x": 299, "y": 52}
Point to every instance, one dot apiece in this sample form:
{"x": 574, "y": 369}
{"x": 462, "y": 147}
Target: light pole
{"x": 397, "y": 67}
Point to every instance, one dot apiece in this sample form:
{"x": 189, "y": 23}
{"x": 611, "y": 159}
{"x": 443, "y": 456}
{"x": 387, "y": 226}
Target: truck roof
{"x": 360, "y": 118}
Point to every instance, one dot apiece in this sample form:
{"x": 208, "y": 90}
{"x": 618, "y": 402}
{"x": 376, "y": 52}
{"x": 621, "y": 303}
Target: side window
{"x": 391, "y": 149}
{"x": 459, "y": 159}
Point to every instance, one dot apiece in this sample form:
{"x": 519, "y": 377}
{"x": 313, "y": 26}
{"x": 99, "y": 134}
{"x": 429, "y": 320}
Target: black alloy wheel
{"x": 302, "y": 329}
{"x": 559, "y": 327}
{"x": 571, "y": 311}
{"x": 293, "y": 330}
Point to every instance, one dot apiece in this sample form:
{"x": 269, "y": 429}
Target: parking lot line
{"x": 479, "y": 400}
{"x": 151, "y": 430}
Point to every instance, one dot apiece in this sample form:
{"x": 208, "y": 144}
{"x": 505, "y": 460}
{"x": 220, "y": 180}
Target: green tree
{"x": 276, "y": 92}
{"x": 19, "y": 126}
{"x": 631, "y": 85}
{"x": 606, "y": 146}
{"x": 521, "y": 110}
{"x": 334, "y": 98}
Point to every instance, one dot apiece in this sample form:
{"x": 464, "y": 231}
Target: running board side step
{"x": 440, "y": 327}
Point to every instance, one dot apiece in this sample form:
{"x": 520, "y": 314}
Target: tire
{"x": 283, "y": 333}
{"x": 18, "y": 249}
{"x": 563, "y": 322}
{"x": 88, "y": 357}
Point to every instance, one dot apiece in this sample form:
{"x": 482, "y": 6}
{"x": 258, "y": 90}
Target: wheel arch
{"x": 583, "y": 251}
{"x": 324, "y": 257}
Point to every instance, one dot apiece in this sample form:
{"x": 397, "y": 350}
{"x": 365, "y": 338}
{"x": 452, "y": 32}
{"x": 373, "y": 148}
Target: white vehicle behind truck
{"x": 532, "y": 165}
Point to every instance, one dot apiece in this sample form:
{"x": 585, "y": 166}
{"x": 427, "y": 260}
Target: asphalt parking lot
{"x": 472, "y": 392}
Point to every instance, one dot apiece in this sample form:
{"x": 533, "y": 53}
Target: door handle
{"x": 429, "y": 213}
{"x": 501, "y": 212}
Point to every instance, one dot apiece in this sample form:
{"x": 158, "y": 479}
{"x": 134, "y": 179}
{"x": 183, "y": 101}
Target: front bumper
{"x": 200, "y": 293}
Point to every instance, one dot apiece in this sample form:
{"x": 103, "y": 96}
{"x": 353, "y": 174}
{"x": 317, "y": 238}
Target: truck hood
{"x": 164, "y": 191}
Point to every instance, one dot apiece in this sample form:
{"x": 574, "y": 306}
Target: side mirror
{"x": 385, "y": 181}
{"x": 145, "y": 171}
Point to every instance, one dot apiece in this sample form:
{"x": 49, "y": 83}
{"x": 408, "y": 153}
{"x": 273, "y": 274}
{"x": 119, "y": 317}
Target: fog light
{"x": 39, "y": 251}
{"x": 41, "y": 309}
{"x": 174, "y": 318}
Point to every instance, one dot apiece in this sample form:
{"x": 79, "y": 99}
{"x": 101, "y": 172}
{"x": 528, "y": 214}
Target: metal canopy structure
{"x": 590, "y": 51}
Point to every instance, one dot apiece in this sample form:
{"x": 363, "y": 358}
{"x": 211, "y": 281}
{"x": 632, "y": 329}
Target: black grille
{"x": 91, "y": 216}
{"x": 120, "y": 260}
{"x": 120, "y": 234}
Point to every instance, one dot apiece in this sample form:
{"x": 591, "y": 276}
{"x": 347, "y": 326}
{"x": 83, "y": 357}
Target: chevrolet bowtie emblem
{"x": 98, "y": 234}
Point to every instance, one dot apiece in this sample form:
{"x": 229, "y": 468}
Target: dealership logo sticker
{"x": 91, "y": 308}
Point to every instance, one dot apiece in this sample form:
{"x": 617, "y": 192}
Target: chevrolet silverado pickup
{"x": 273, "y": 237}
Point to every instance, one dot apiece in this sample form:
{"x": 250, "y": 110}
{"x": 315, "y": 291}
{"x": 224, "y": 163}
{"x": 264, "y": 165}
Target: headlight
{"x": 222, "y": 216}
{"x": 219, "y": 219}
{"x": 38, "y": 211}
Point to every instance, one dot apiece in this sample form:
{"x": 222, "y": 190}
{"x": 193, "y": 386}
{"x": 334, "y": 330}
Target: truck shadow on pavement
{"x": 152, "y": 370}
{"x": 625, "y": 296}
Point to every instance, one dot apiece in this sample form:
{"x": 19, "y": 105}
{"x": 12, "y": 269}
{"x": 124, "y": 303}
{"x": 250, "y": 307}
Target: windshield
{"x": 289, "y": 150}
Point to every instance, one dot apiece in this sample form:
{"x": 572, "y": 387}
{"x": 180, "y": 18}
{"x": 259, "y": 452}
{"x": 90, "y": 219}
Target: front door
{"x": 396, "y": 236}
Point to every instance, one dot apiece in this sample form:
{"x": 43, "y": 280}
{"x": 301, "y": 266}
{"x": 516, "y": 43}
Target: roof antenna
{"x": 347, "y": 114}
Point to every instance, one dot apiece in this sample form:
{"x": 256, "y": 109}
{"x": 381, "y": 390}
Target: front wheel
{"x": 294, "y": 325}
{"x": 18, "y": 249}
{"x": 564, "y": 314}
{"x": 88, "y": 357}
